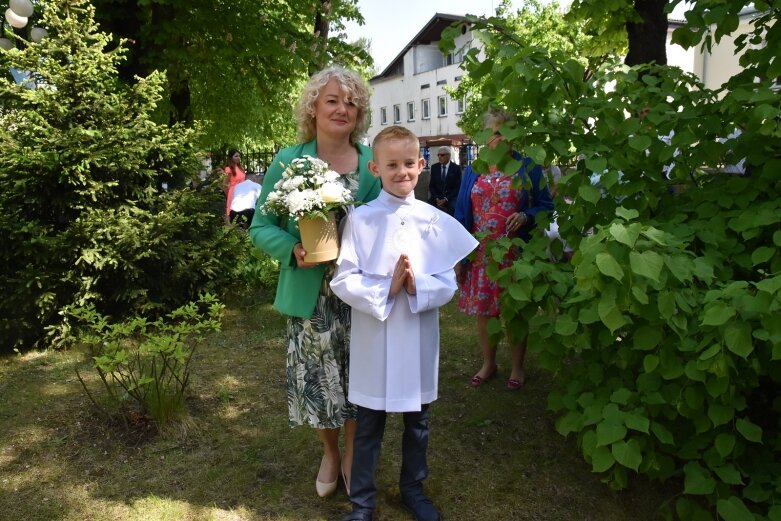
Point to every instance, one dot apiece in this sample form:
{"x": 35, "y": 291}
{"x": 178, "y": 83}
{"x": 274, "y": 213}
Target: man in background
{"x": 445, "y": 181}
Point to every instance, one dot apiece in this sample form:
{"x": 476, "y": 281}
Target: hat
{"x": 444, "y": 150}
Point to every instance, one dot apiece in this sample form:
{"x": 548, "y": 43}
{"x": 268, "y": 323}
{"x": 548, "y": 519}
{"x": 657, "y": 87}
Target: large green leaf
{"x": 724, "y": 444}
{"x": 609, "y": 432}
{"x": 729, "y": 474}
{"x": 720, "y": 413}
{"x": 570, "y": 422}
{"x": 717, "y": 314}
{"x": 536, "y": 153}
{"x": 680, "y": 266}
{"x": 601, "y": 459}
{"x": 762, "y": 254}
{"x": 640, "y": 142}
{"x": 625, "y": 234}
{"x": 520, "y": 291}
{"x": 639, "y": 295}
{"x": 621, "y": 396}
{"x": 637, "y": 422}
{"x": 589, "y": 193}
{"x": 650, "y": 362}
{"x": 608, "y": 266}
{"x": 748, "y": 430}
{"x": 628, "y": 453}
{"x": 662, "y": 433}
{"x": 647, "y": 337}
{"x": 609, "y": 313}
{"x": 697, "y": 480}
{"x": 770, "y": 285}
{"x": 733, "y": 509}
{"x": 648, "y": 264}
{"x": 737, "y": 337}
{"x": 596, "y": 164}
{"x": 626, "y": 213}
{"x": 565, "y": 325}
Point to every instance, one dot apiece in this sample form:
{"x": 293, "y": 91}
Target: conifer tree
{"x": 82, "y": 216}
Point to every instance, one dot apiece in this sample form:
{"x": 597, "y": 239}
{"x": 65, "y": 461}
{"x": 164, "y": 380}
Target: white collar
{"x": 396, "y": 202}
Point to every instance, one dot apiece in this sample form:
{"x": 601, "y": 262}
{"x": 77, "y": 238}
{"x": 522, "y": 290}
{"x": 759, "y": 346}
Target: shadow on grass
{"x": 493, "y": 454}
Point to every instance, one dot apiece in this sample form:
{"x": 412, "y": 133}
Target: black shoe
{"x": 421, "y": 507}
{"x": 359, "y": 515}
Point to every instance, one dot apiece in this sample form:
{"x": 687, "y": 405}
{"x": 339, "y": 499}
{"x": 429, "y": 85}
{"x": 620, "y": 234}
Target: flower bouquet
{"x": 309, "y": 192}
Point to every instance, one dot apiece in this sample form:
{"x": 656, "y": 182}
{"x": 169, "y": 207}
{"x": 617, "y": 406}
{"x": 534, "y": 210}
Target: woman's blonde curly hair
{"x": 354, "y": 88}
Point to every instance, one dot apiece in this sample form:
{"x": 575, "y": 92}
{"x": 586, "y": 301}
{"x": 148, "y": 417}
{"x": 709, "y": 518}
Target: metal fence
{"x": 254, "y": 161}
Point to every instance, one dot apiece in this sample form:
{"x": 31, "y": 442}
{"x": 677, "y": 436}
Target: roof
{"x": 431, "y": 32}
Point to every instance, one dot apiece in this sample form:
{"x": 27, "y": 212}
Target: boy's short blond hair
{"x": 394, "y": 132}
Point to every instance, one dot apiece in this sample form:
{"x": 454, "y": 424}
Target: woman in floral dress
{"x": 494, "y": 205}
{"x": 332, "y": 117}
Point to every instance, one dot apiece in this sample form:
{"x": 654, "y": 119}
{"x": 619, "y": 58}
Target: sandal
{"x": 515, "y": 384}
{"x": 478, "y": 380}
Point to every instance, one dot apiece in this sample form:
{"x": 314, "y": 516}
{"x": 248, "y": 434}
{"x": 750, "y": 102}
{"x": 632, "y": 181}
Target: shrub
{"x": 147, "y": 362}
{"x": 663, "y": 333}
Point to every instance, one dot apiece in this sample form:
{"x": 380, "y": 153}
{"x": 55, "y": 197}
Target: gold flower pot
{"x": 319, "y": 237}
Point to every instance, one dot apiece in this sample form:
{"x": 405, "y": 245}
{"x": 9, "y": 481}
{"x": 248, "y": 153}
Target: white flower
{"x": 332, "y": 192}
{"x": 307, "y": 185}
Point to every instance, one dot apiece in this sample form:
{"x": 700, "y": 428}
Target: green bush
{"x": 663, "y": 332}
{"x": 258, "y": 270}
{"x": 147, "y": 362}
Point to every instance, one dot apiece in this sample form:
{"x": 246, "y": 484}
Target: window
{"x": 442, "y": 106}
{"x": 383, "y": 116}
{"x": 425, "y": 108}
{"x": 410, "y": 111}
{"x": 397, "y": 113}
{"x": 447, "y": 59}
{"x": 442, "y": 82}
{"x": 460, "y": 105}
{"x": 424, "y": 86}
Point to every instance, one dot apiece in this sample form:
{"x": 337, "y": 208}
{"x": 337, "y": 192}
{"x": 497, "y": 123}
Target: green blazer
{"x": 297, "y": 289}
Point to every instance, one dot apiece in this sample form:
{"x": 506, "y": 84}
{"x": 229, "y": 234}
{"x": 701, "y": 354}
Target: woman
{"x": 235, "y": 174}
{"x": 494, "y": 205}
{"x": 332, "y": 116}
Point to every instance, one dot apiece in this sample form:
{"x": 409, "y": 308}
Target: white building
{"x": 411, "y": 90}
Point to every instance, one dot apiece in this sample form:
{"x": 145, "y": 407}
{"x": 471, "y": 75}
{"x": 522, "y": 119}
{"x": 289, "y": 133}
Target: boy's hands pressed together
{"x": 402, "y": 277}
{"x": 409, "y": 282}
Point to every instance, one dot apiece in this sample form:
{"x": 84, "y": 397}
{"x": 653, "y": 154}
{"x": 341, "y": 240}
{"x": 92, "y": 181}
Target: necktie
{"x": 444, "y": 174}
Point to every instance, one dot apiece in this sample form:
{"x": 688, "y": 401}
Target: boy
{"x": 395, "y": 269}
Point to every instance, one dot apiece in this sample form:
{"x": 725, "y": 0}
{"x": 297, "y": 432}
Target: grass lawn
{"x": 493, "y": 454}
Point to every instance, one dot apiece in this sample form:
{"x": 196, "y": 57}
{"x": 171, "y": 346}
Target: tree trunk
{"x": 180, "y": 103}
{"x": 648, "y": 39}
{"x": 322, "y": 23}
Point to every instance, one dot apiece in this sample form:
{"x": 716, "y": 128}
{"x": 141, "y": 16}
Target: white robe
{"x": 394, "y": 341}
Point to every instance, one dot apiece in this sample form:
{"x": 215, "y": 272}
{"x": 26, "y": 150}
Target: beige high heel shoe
{"x": 325, "y": 489}
{"x": 346, "y": 483}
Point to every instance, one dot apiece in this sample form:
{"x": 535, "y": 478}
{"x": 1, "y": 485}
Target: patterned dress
{"x": 494, "y": 199}
{"x": 318, "y": 356}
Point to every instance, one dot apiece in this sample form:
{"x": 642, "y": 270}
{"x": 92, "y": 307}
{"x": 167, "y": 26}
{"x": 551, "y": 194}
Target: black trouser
{"x": 366, "y": 455}
{"x": 242, "y": 218}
